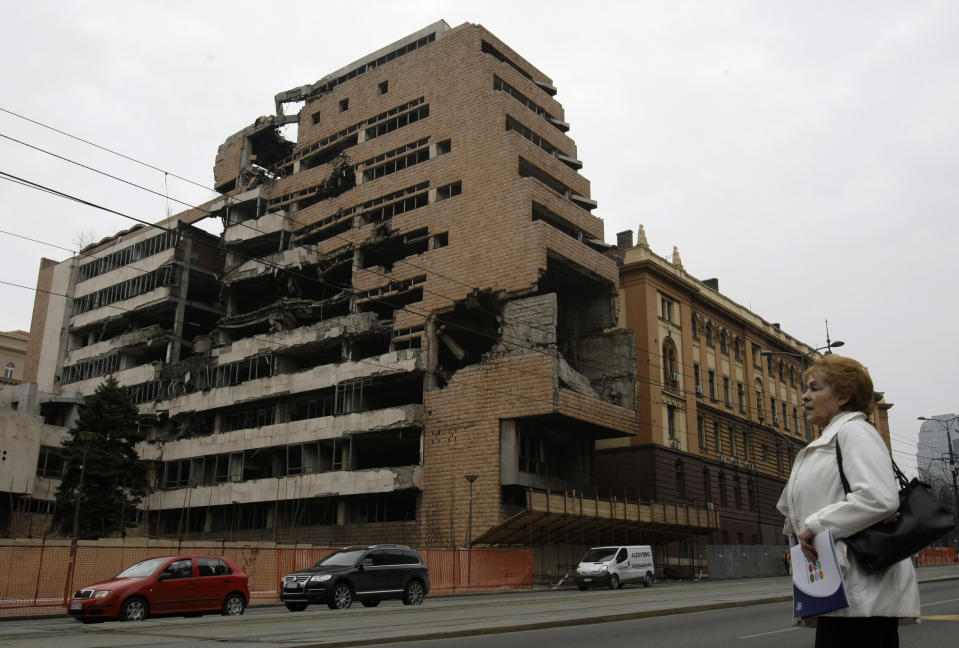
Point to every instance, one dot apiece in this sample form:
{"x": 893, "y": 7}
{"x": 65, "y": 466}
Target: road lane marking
{"x": 939, "y": 602}
{"x": 766, "y": 634}
{"x": 941, "y": 617}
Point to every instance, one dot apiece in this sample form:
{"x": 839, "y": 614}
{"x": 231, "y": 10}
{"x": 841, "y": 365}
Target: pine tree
{"x": 114, "y": 477}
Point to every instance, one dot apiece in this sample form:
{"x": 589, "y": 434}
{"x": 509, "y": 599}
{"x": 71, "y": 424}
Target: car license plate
{"x": 76, "y": 606}
{"x": 587, "y": 580}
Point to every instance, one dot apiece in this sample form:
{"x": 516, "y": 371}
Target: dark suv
{"x": 368, "y": 573}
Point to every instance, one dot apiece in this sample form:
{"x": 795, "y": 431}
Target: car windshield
{"x": 142, "y": 569}
{"x": 346, "y": 558}
{"x": 599, "y": 554}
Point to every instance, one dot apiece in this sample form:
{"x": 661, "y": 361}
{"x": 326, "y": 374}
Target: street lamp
{"x": 804, "y": 356}
{"x": 469, "y": 524}
{"x": 952, "y": 466}
{"x": 805, "y": 360}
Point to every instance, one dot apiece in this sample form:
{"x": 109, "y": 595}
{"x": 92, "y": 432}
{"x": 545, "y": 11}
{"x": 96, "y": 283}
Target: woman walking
{"x": 838, "y": 395}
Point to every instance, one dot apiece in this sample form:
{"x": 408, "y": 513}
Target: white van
{"x": 616, "y": 565}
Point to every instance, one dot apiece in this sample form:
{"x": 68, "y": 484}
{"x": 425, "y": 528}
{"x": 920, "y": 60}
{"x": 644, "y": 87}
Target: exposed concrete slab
{"x": 339, "y": 482}
{"x": 407, "y": 360}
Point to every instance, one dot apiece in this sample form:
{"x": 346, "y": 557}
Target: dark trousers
{"x": 843, "y": 632}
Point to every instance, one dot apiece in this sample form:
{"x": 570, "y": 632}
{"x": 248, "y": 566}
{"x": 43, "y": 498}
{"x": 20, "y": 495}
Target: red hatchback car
{"x": 158, "y": 586}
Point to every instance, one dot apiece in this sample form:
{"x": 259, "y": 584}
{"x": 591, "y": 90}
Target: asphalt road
{"x": 692, "y": 612}
{"x": 756, "y": 626}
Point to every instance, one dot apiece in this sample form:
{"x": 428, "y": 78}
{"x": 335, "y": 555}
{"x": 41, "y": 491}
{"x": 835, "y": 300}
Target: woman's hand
{"x": 805, "y": 539}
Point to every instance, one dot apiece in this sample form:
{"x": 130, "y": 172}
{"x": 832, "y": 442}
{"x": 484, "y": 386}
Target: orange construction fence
{"x": 40, "y": 577}
{"x": 938, "y": 556}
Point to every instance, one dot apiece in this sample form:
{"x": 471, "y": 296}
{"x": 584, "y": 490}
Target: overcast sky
{"x": 804, "y": 153}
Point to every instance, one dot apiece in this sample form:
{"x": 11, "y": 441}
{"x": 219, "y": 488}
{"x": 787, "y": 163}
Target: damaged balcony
{"x": 292, "y": 516}
{"x": 145, "y": 354}
{"x": 247, "y": 231}
{"x": 114, "y": 334}
{"x": 264, "y": 299}
{"x": 266, "y": 489}
{"x": 149, "y": 299}
{"x": 185, "y": 396}
{"x": 382, "y": 448}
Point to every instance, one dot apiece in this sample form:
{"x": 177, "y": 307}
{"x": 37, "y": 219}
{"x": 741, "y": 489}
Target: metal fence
{"x": 39, "y": 577}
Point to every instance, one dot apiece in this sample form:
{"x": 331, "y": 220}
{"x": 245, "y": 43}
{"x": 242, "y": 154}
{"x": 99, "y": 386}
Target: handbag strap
{"x": 903, "y": 482}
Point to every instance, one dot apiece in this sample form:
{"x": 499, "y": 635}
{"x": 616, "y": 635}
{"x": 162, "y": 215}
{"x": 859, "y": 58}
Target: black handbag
{"x": 921, "y": 519}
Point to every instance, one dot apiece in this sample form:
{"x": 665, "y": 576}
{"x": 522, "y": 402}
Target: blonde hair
{"x": 847, "y": 377}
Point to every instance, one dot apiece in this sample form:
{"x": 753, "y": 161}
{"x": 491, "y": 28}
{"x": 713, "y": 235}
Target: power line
{"x": 103, "y": 148}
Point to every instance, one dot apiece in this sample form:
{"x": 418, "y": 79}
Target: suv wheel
{"x": 413, "y": 594}
{"x": 341, "y": 597}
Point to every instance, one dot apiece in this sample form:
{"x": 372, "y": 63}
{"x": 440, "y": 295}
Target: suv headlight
{"x": 319, "y": 578}
{"x": 101, "y": 594}
{"x": 579, "y": 570}
{"x": 603, "y": 568}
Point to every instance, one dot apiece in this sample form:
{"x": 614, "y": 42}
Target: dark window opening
{"x": 396, "y": 164}
{"x": 49, "y": 462}
{"x": 326, "y": 155}
{"x": 344, "y": 105}
{"x": 369, "y": 347}
{"x": 386, "y": 305}
{"x": 466, "y": 333}
{"x": 315, "y": 117}
{"x": 383, "y": 87}
{"x": 450, "y": 190}
{"x": 386, "y": 449}
{"x": 313, "y": 405}
{"x": 546, "y": 451}
{"x": 399, "y": 121}
{"x": 268, "y": 147}
{"x": 392, "y": 507}
{"x": 541, "y": 213}
{"x": 388, "y": 251}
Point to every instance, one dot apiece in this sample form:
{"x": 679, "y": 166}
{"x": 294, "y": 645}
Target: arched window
{"x": 695, "y": 326}
{"x": 709, "y": 334}
{"x": 670, "y": 364}
{"x": 8, "y": 370}
{"x": 722, "y": 343}
{"x": 738, "y": 349}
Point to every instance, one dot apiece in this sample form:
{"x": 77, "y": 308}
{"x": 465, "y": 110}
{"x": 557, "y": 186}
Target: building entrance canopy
{"x": 563, "y": 517}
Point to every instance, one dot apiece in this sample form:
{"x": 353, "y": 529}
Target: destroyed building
{"x": 406, "y": 327}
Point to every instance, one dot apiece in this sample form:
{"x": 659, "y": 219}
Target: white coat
{"x": 814, "y": 499}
